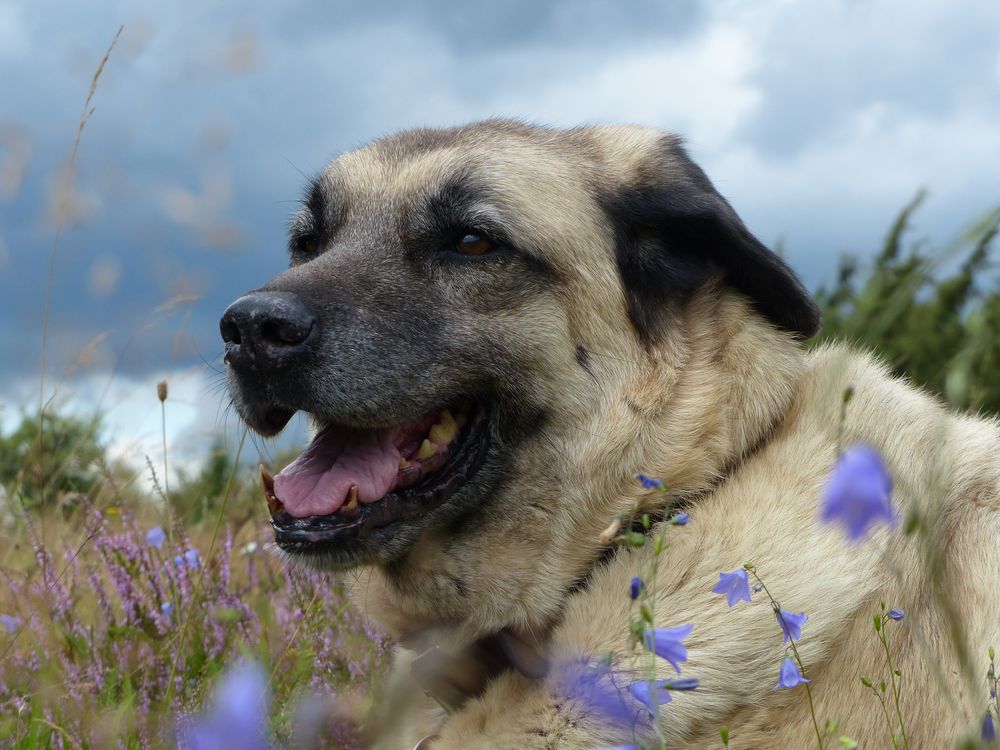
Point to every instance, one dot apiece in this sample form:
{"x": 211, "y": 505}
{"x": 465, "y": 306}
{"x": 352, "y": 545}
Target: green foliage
{"x": 938, "y": 328}
{"x": 57, "y": 468}
{"x": 199, "y": 495}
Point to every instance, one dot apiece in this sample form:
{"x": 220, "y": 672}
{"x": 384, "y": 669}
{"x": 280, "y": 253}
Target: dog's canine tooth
{"x": 273, "y": 503}
{"x": 427, "y": 449}
{"x": 352, "y": 498}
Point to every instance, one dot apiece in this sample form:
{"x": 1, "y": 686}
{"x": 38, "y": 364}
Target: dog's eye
{"x": 473, "y": 244}
{"x": 307, "y": 245}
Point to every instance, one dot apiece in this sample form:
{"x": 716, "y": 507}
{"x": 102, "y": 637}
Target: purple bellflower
{"x": 858, "y": 493}
{"x": 635, "y": 588}
{"x": 668, "y": 643}
{"x": 649, "y": 483}
{"x": 735, "y": 586}
{"x": 989, "y": 733}
{"x": 896, "y": 614}
{"x": 237, "y": 714}
{"x": 592, "y": 686}
{"x": 791, "y": 623}
{"x": 641, "y": 692}
{"x": 790, "y": 675}
{"x": 155, "y": 537}
{"x": 10, "y": 623}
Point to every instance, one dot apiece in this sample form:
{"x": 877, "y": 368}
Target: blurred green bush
{"x": 932, "y": 313}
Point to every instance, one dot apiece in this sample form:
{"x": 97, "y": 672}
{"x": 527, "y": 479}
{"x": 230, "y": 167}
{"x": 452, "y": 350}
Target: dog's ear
{"x": 673, "y": 231}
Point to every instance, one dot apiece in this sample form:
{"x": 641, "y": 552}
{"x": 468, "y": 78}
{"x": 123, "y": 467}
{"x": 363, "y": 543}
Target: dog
{"x": 494, "y": 328}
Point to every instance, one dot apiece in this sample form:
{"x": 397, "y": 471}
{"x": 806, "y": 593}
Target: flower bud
{"x": 161, "y": 390}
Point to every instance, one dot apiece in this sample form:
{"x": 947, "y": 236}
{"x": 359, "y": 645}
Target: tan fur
{"x": 742, "y": 425}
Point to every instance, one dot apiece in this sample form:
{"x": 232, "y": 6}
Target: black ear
{"x": 673, "y": 231}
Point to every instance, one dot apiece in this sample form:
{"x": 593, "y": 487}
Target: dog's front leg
{"x": 518, "y": 713}
{"x": 404, "y": 715}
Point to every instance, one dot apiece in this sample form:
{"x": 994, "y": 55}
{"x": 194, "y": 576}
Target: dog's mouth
{"x": 351, "y": 483}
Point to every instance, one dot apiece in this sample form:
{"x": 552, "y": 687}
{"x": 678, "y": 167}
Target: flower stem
{"x": 798, "y": 659}
{"x": 885, "y": 712}
{"x": 884, "y": 640}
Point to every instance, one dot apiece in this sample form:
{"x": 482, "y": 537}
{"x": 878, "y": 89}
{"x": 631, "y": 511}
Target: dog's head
{"x": 462, "y": 309}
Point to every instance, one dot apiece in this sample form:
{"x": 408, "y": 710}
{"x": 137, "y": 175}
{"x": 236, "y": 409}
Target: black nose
{"x": 266, "y": 330}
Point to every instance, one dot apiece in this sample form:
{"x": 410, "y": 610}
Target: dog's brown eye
{"x": 473, "y": 244}
{"x": 309, "y": 246}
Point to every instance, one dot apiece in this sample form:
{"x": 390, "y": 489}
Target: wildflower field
{"x": 116, "y": 625}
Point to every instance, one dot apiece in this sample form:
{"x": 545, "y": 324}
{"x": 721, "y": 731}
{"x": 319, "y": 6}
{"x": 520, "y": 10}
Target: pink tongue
{"x": 317, "y": 482}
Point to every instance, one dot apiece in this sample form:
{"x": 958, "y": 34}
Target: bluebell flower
{"x": 896, "y": 614}
{"x": 791, "y": 623}
{"x": 667, "y": 643}
{"x": 636, "y": 587}
{"x": 735, "y": 586}
{"x": 649, "y": 482}
{"x": 858, "y": 493}
{"x": 989, "y": 733}
{"x": 592, "y": 686}
{"x": 790, "y": 676}
{"x": 237, "y": 715}
{"x": 681, "y": 519}
{"x": 167, "y": 608}
{"x": 641, "y": 692}
{"x": 10, "y": 623}
{"x": 155, "y": 537}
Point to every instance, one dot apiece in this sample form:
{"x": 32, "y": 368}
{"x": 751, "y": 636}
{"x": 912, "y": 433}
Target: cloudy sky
{"x": 817, "y": 119}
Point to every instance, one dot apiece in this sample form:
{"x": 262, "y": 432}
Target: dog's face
{"x": 456, "y": 302}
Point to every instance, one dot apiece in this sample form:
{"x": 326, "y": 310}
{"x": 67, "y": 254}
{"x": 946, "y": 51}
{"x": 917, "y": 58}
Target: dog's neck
{"x": 685, "y": 410}
{"x": 711, "y": 393}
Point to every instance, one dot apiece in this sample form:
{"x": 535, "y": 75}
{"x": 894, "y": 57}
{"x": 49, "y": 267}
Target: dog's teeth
{"x": 273, "y": 503}
{"x": 443, "y": 434}
{"x": 404, "y": 464}
{"x": 352, "y": 498}
{"x": 446, "y": 428}
{"x": 427, "y": 449}
{"x": 266, "y": 479}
